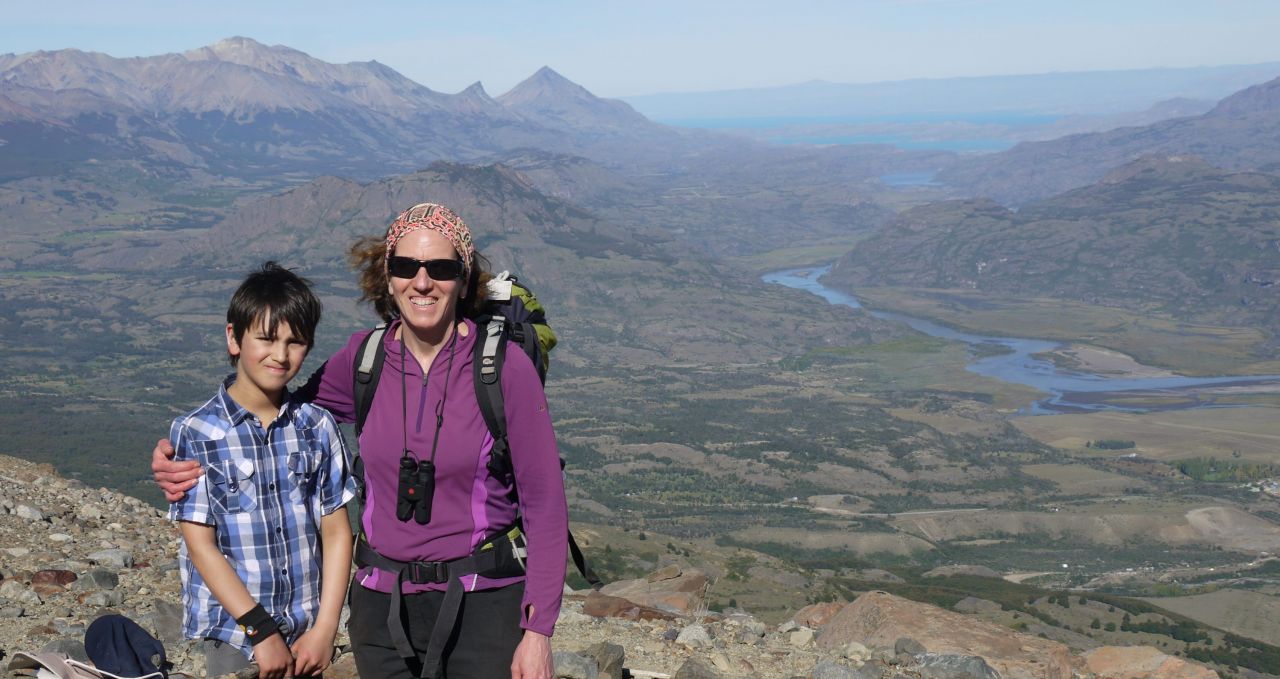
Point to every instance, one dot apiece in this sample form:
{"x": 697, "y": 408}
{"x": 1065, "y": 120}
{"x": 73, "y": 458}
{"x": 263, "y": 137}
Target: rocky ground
{"x": 69, "y": 553}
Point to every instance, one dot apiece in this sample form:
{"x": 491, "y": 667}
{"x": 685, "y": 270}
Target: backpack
{"x": 511, "y": 313}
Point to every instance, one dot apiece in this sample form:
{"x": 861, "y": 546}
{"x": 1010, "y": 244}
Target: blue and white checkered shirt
{"x": 264, "y": 492}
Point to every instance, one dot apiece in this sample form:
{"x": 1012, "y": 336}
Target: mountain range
{"x": 1169, "y": 234}
{"x": 242, "y": 108}
{"x": 1241, "y": 133}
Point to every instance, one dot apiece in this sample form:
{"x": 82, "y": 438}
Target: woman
{"x": 431, "y": 504}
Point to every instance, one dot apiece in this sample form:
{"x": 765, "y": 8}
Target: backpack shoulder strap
{"x": 491, "y": 351}
{"x": 367, "y": 371}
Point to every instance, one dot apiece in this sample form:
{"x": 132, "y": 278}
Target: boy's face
{"x": 266, "y": 362}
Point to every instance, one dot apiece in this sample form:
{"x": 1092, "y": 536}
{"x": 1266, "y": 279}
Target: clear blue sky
{"x": 648, "y": 46}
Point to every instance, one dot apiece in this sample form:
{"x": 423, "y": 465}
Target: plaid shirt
{"x": 264, "y": 493}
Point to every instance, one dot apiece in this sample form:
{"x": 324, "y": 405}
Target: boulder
{"x": 944, "y": 666}
{"x": 880, "y": 619}
{"x": 1142, "y": 662}
{"x": 609, "y": 658}
{"x": 814, "y": 616}
{"x": 574, "y": 666}
{"x": 673, "y": 590}
{"x": 604, "y": 606}
{"x": 695, "y": 668}
{"x": 694, "y": 636}
{"x": 53, "y": 576}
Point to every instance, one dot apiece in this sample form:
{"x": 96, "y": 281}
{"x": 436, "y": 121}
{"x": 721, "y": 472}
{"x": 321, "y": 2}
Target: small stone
{"x": 73, "y": 648}
{"x": 29, "y": 513}
{"x": 29, "y": 596}
{"x": 104, "y": 598}
{"x": 609, "y": 658}
{"x": 60, "y": 537}
{"x": 909, "y": 646}
{"x": 98, "y": 578}
{"x": 17, "y": 552}
{"x": 112, "y": 558}
{"x": 800, "y": 638}
{"x": 695, "y": 668}
{"x": 574, "y": 666}
{"x": 721, "y": 662}
{"x": 788, "y": 626}
{"x": 167, "y": 617}
{"x": 694, "y": 636}
{"x": 855, "y": 651}
{"x": 53, "y": 576}
{"x": 671, "y": 634}
{"x": 828, "y": 669}
{"x": 11, "y": 612}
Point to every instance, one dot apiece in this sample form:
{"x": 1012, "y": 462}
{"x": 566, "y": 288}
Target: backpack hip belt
{"x": 500, "y": 556}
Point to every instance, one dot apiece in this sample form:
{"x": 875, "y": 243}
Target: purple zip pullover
{"x": 469, "y": 504}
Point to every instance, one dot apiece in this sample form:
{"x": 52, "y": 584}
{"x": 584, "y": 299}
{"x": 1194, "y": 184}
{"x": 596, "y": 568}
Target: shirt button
{"x": 271, "y": 486}
{"x": 279, "y": 530}
{"x": 284, "y": 571}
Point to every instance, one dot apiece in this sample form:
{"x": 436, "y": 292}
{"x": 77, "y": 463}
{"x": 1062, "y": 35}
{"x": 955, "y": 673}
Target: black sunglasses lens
{"x": 437, "y": 269}
{"x": 444, "y": 269}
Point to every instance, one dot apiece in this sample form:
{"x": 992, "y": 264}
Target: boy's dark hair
{"x": 274, "y": 293}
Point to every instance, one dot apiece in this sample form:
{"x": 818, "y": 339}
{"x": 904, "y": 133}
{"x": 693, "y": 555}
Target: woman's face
{"x": 427, "y": 306}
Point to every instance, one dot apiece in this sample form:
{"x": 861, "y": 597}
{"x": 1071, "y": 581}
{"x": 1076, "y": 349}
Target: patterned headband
{"x": 440, "y": 219}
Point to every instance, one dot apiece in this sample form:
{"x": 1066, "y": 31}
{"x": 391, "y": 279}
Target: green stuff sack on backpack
{"x": 525, "y": 316}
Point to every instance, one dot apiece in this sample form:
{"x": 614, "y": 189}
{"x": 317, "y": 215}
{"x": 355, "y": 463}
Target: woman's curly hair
{"x": 368, "y": 257}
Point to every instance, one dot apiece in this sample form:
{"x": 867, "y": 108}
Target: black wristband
{"x": 258, "y": 625}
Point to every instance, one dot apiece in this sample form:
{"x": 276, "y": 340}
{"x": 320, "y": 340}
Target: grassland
{"x": 1251, "y": 433}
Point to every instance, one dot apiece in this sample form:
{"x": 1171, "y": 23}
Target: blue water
{"x": 902, "y": 141}
{"x": 773, "y": 122}
{"x": 1068, "y": 391}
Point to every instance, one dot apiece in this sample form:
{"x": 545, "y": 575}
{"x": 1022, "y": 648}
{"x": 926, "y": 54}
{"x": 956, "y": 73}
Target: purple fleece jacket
{"x": 469, "y": 504}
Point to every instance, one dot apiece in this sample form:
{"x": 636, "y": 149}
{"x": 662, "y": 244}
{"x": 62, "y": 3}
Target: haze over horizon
{"x": 671, "y": 47}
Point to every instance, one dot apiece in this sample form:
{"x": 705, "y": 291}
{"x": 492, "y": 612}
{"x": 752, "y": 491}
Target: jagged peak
{"x": 475, "y": 89}
{"x": 545, "y": 82}
{"x": 245, "y": 51}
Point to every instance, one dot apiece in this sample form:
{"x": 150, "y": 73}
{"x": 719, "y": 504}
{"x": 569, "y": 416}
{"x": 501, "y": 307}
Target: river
{"x": 1068, "y": 391}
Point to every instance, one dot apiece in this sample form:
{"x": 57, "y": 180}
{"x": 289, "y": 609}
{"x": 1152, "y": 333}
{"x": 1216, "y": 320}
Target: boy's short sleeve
{"x": 337, "y": 486}
{"x": 194, "y": 506}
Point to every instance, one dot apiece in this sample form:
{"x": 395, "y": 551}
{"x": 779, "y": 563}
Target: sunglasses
{"x": 437, "y": 269}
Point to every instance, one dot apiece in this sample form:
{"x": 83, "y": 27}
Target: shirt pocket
{"x": 304, "y": 466}
{"x": 231, "y": 486}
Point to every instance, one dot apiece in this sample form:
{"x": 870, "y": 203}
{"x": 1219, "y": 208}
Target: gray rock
{"x": 694, "y": 636}
{"x": 12, "y": 611}
{"x": 829, "y": 669}
{"x": 105, "y": 598}
{"x": 943, "y": 666}
{"x": 695, "y": 668}
{"x": 167, "y": 617}
{"x": 855, "y": 651}
{"x": 800, "y": 638}
{"x": 29, "y": 513}
{"x": 29, "y": 596}
{"x": 609, "y": 658}
{"x": 68, "y": 628}
{"x": 574, "y": 666}
{"x": 98, "y": 578}
{"x": 112, "y": 558}
{"x": 909, "y": 646}
{"x": 12, "y": 589}
{"x": 74, "y": 648}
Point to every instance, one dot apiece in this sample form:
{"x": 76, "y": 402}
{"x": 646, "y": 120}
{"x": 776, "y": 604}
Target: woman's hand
{"x": 532, "y": 659}
{"x": 174, "y": 478}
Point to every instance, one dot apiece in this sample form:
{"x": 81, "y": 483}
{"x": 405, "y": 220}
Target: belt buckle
{"x": 423, "y": 572}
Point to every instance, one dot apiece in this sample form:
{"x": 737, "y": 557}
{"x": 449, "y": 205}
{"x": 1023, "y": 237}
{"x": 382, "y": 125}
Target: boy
{"x": 266, "y": 543}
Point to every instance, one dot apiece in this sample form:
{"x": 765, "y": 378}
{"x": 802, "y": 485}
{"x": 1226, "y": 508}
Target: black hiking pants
{"x": 484, "y": 637}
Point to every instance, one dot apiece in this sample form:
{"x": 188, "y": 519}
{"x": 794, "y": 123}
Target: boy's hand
{"x": 312, "y": 652}
{"x": 174, "y": 478}
{"x": 273, "y": 658}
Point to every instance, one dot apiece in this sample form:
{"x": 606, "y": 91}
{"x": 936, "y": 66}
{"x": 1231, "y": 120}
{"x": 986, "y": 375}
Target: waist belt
{"x": 501, "y": 556}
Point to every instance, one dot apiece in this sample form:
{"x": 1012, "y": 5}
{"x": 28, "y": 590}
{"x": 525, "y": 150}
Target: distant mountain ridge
{"x": 241, "y": 108}
{"x": 1070, "y": 93}
{"x": 1241, "y": 133}
{"x": 1170, "y": 234}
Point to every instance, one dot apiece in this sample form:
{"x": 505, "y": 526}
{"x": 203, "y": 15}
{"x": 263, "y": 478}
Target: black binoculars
{"x": 417, "y": 486}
